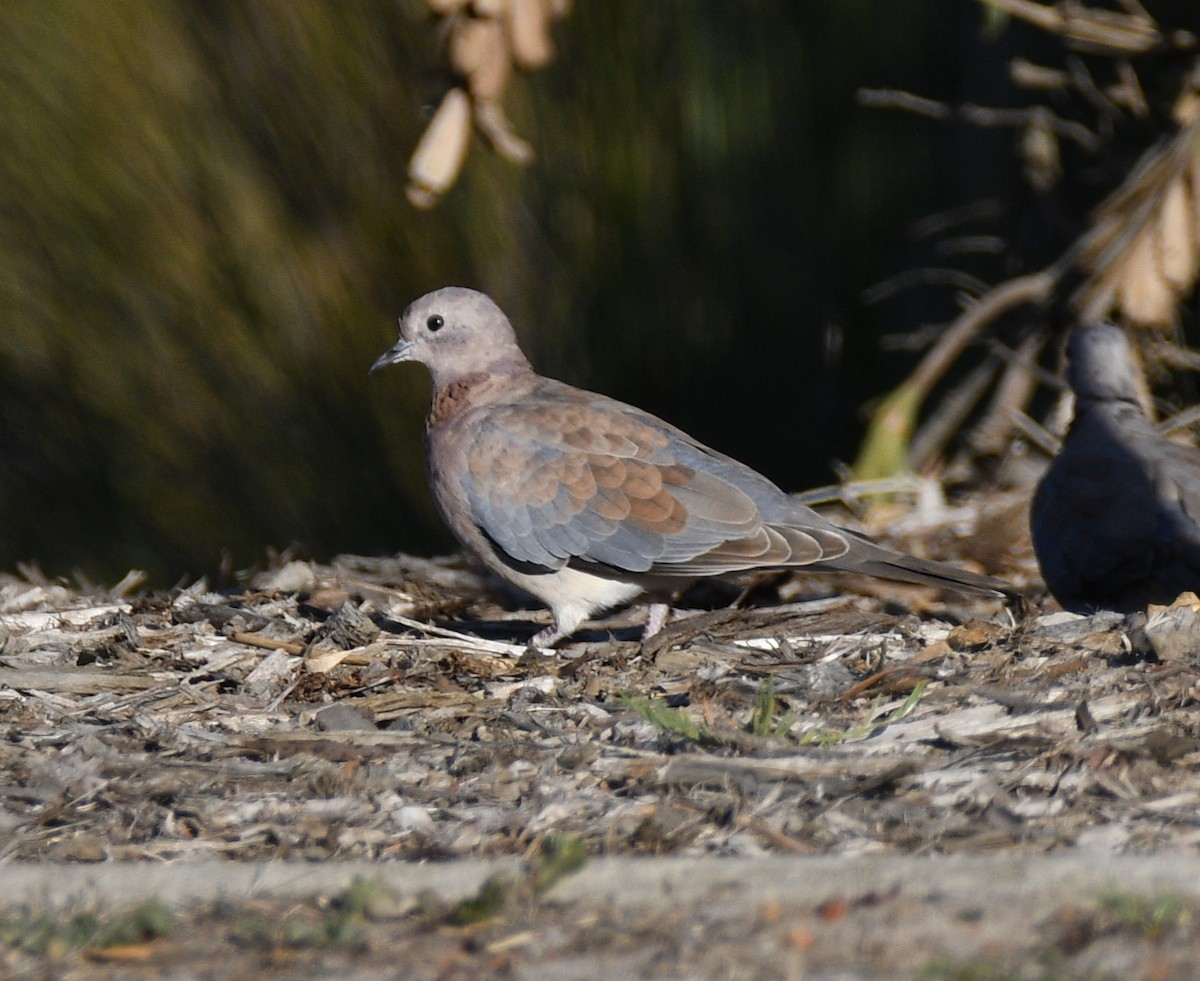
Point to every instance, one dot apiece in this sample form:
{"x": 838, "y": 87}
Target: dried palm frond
{"x": 1142, "y": 253}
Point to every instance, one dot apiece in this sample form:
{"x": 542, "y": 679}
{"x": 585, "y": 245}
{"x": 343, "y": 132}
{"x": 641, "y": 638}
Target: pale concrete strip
{"x": 662, "y": 881}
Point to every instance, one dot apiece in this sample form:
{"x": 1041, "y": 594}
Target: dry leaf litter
{"x": 380, "y": 708}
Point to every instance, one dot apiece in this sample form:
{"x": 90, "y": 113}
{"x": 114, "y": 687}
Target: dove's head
{"x": 1099, "y": 365}
{"x": 456, "y": 332}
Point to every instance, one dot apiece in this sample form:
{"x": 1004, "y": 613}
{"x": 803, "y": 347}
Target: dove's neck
{"x": 1104, "y": 380}
{"x": 1114, "y": 416}
{"x": 1109, "y": 404}
{"x": 456, "y": 395}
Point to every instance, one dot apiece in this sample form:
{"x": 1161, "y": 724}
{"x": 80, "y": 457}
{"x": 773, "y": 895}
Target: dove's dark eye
{"x": 435, "y": 322}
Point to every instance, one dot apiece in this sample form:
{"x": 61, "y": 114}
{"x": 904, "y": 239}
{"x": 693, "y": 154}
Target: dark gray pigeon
{"x": 1114, "y": 518}
{"x": 586, "y": 502}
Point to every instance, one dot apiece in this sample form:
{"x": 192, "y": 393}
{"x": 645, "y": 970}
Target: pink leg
{"x": 563, "y": 623}
{"x": 656, "y": 617}
{"x": 546, "y": 637}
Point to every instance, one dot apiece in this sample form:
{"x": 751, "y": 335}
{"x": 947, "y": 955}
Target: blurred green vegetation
{"x": 206, "y": 242}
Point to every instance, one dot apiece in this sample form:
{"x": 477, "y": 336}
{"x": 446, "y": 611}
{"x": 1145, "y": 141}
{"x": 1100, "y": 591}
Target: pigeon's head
{"x": 455, "y": 332}
{"x": 1099, "y": 365}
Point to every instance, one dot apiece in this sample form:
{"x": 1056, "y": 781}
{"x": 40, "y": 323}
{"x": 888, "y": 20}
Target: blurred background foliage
{"x": 206, "y": 242}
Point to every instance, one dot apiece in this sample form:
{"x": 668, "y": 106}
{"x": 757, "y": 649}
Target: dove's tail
{"x": 874, "y": 560}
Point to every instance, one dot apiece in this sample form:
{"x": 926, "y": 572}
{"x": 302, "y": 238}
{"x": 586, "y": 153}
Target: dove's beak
{"x": 400, "y": 351}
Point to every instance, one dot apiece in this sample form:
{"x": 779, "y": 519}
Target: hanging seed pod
{"x": 481, "y": 40}
{"x": 498, "y": 131}
{"x": 1177, "y": 237}
{"x": 527, "y": 23}
{"x": 440, "y": 154}
{"x": 478, "y": 53}
{"x": 1144, "y": 295}
{"x": 1187, "y": 107}
{"x": 467, "y": 47}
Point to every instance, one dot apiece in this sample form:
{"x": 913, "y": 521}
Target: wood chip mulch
{"x": 387, "y": 709}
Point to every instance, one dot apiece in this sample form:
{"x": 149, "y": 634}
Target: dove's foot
{"x": 656, "y": 618}
{"x": 547, "y": 636}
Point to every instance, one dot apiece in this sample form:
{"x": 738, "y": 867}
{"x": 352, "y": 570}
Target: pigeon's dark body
{"x": 584, "y": 501}
{"x": 1114, "y": 519}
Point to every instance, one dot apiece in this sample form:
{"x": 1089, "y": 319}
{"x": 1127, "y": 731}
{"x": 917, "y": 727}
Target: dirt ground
{"x": 372, "y": 718}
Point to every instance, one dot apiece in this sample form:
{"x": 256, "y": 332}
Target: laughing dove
{"x": 1114, "y": 518}
{"x": 586, "y": 502}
